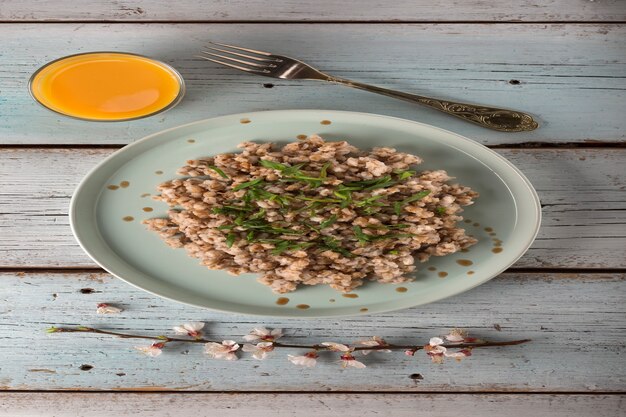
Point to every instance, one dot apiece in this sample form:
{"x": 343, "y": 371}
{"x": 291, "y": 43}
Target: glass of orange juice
{"x": 107, "y": 86}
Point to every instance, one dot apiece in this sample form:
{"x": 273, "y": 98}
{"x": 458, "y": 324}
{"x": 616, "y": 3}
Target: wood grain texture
{"x": 323, "y": 10}
{"x": 570, "y": 76}
{"x": 575, "y": 322}
{"x": 582, "y": 192}
{"x": 321, "y": 405}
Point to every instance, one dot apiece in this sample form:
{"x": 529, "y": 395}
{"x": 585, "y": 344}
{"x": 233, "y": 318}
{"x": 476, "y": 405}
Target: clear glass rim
{"x": 173, "y": 103}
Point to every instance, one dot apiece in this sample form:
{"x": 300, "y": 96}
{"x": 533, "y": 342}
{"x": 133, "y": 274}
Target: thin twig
{"x": 166, "y": 339}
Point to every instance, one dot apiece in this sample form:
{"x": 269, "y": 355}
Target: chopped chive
{"x": 250, "y": 236}
{"x": 230, "y": 239}
{"x": 332, "y": 219}
{"x": 393, "y": 252}
{"x": 225, "y": 227}
{"x": 397, "y": 206}
{"x": 324, "y": 169}
{"x": 402, "y": 175}
{"x": 247, "y": 184}
{"x": 440, "y": 210}
{"x": 219, "y": 171}
{"x": 272, "y": 165}
{"x": 362, "y": 237}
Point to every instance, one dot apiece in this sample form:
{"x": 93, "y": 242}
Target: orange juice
{"x": 107, "y": 86}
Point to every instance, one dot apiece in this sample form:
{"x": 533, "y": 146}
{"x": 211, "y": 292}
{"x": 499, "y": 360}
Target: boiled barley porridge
{"x": 313, "y": 212}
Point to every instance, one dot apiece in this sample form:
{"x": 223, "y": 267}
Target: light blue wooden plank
{"x": 575, "y": 321}
{"x": 582, "y": 191}
{"x": 291, "y": 405}
{"x": 570, "y": 76}
{"x": 321, "y": 10}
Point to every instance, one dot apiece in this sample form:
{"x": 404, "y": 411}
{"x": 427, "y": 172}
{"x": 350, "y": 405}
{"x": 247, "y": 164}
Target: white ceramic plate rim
{"x": 250, "y": 115}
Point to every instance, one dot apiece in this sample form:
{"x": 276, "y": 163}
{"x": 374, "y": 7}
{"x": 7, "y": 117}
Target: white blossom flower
{"x": 376, "y": 341}
{"x": 435, "y": 350}
{"x": 260, "y": 350}
{"x": 308, "y": 359}
{"x": 348, "y": 360}
{"x": 225, "y": 350}
{"x": 336, "y": 347}
{"x": 153, "y": 350}
{"x": 456, "y": 336}
{"x": 104, "y": 308}
{"x": 459, "y": 354}
{"x": 191, "y": 329}
{"x": 263, "y": 334}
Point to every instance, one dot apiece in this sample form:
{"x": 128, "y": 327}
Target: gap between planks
{"x": 96, "y": 270}
{"x": 338, "y": 392}
{"x": 591, "y": 144}
{"x": 322, "y": 22}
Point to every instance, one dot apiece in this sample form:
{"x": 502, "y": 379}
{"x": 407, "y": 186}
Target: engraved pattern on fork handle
{"x": 503, "y": 120}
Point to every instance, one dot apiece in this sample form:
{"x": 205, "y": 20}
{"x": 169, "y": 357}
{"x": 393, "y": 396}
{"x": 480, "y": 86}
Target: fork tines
{"x": 260, "y": 64}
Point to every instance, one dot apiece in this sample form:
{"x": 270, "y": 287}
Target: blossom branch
{"x": 437, "y": 349}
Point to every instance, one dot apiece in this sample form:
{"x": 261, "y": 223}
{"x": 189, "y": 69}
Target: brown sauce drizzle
{"x": 191, "y": 141}
{"x": 158, "y": 172}
{"x": 496, "y": 250}
{"x": 145, "y": 195}
{"x": 476, "y": 224}
{"x": 488, "y": 229}
{"x": 113, "y": 187}
{"x": 282, "y": 301}
{"x": 350, "y": 295}
{"x": 492, "y": 234}
{"x": 442, "y": 274}
{"x": 124, "y": 184}
{"x": 464, "y": 262}
{"x": 325, "y": 122}
{"x": 467, "y": 221}
{"x": 332, "y": 300}
{"x": 128, "y": 218}
{"x": 147, "y": 209}
{"x": 432, "y": 268}
{"x": 246, "y": 121}
{"x": 401, "y": 289}
{"x": 303, "y": 306}
{"x": 470, "y": 272}
{"x": 363, "y": 310}
{"x": 301, "y": 137}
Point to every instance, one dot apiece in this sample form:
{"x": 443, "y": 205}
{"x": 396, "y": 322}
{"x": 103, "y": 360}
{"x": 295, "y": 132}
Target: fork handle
{"x": 503, "y": 120}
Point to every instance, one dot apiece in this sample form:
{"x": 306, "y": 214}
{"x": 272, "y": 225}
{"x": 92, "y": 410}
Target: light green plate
{"x": 508, "y": 204}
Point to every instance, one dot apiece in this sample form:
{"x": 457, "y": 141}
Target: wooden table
{"x": 562, "y": 60}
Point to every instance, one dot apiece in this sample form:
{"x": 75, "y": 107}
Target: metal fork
{"x": 278, "y": 66}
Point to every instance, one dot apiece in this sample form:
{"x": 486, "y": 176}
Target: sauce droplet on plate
{"x": 113, "y": 187}
{"x": 147, "y": 209}
{"x": 488, "y": 229}
{"x": 464, "y": 262}
{"x": 476, "y": 224}
{"x": 401, "y": 289}
{"x": 325, "y": 122}
{"x": 145, "y": 195}
{"x": 124, "y": 184}
{"x": 282, "y": 301}
{"x": 244, "y": 121}
{"x": 467, "y": 221}
{"x": 496, "y": 250}
{"x": 363, "y": 310}
{"x": 442, "y": 274}
{"x": 432, "y": 268}
{"x": 128, "y": 218}
{"x": 470, "y": 272}
{"x": 301, "y": 137}
{"x": 158, "y": 172}
{"x": 350, "y": 295}
{"x": 332, "y": 300}
{"x": 303, "y": 306}
{"x": 191, "y": 141}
